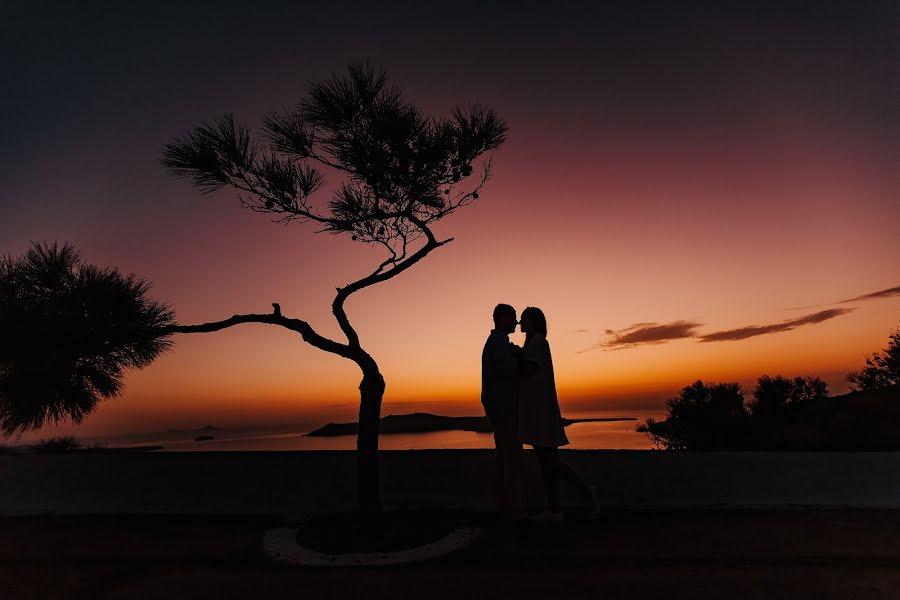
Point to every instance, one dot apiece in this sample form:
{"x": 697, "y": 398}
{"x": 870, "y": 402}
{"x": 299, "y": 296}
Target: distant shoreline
{"x": 427, "y": 423}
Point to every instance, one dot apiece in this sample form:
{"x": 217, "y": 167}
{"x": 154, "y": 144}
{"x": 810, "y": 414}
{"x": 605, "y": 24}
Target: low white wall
{"x": 296, "y": 482}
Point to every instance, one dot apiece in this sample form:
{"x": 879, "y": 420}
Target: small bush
{"x": 66, "y": 443}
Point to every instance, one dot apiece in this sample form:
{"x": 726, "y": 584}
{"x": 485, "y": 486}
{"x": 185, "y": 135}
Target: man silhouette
{"x": 499, "y": 396}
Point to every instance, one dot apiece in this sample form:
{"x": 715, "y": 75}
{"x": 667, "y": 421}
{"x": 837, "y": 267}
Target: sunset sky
{"x": 687, "y": 192}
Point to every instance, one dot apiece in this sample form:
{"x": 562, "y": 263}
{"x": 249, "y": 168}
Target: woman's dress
{"x": 540, "y": 422}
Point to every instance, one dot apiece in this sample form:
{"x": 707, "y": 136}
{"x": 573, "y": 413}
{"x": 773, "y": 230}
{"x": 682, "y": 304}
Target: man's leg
{"x": 510, "y": 454}
{"x": 499, "y": 479}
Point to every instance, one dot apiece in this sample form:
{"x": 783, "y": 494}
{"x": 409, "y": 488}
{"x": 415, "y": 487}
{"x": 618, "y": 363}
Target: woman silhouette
{"x": 540, "y": 422}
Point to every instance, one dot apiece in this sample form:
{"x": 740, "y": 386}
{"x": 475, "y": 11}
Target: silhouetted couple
{"x": 518, "y": 392}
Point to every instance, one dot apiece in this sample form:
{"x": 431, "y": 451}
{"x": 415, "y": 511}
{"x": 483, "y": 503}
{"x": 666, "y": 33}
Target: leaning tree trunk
{"x": 371, "y": 391}
{"x": 371, "y": 388}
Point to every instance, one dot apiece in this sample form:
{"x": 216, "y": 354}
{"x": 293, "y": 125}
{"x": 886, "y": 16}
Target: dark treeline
{"x": 788, "y": 413}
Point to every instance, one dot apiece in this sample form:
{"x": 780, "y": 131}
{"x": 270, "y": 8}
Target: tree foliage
{"x": 882, "y": 369}
{"x": 714, "y": 416}
{"x": 398, "y": 170}
{"x": 701, "y": 417}
{"x": 772, "y": 394}
{"x": 70, "y": 331}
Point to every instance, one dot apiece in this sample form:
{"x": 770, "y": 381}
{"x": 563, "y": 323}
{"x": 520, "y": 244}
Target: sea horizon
{"x": 615, "y": 434}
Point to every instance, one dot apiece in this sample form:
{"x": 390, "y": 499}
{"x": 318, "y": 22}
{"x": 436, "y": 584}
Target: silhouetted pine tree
{"x": 70, "y": 331}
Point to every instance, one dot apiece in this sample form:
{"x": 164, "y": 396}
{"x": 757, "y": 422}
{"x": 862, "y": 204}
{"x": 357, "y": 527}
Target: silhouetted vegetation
{"x": 58, "y": 445}
{"x": 787, "y": 414}
{"x": 702, "y": 417}
{"x": 70, "y": 331}
{"x": 882, "y": 369}
{"x": 861, "y": 420}
{"x": 398, "y": 171}
{"x": 772, "y": 394}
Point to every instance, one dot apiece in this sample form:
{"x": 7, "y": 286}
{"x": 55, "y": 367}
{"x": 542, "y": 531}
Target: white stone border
{"x": 281, "y": 546}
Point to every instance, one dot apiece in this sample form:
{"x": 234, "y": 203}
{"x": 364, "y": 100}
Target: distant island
{"x": 201, "y": 430}
{"x": 426, "y": 422}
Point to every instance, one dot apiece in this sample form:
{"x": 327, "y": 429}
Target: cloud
{"x": 743, "y": 333}
{"x": 648, "y": 333}
{"x": 641, "y": 334}
{"x": 888, "y": 293}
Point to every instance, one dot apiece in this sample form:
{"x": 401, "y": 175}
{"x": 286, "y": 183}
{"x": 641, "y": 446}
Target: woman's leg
{"x": 549, "y": 461}
{"x": 572, "y": 476}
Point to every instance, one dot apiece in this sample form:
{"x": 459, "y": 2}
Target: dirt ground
{"x": 796, "y": 554}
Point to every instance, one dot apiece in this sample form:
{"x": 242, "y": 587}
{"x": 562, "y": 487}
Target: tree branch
{"x": 305, "y": 330}
{"x": 337, "y": 307}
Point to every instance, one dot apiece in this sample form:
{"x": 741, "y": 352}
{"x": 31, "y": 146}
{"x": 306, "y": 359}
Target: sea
{"x": 619, "y": 435}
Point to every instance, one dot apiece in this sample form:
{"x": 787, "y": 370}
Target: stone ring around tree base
{"x": 281, "y": 546}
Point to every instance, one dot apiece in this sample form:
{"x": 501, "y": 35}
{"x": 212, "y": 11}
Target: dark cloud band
{"x": 649, "y": 333}
{"x": 888, "y": 293}
{"x": 641, "y": 334}
{"x": 743, "y": 333}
